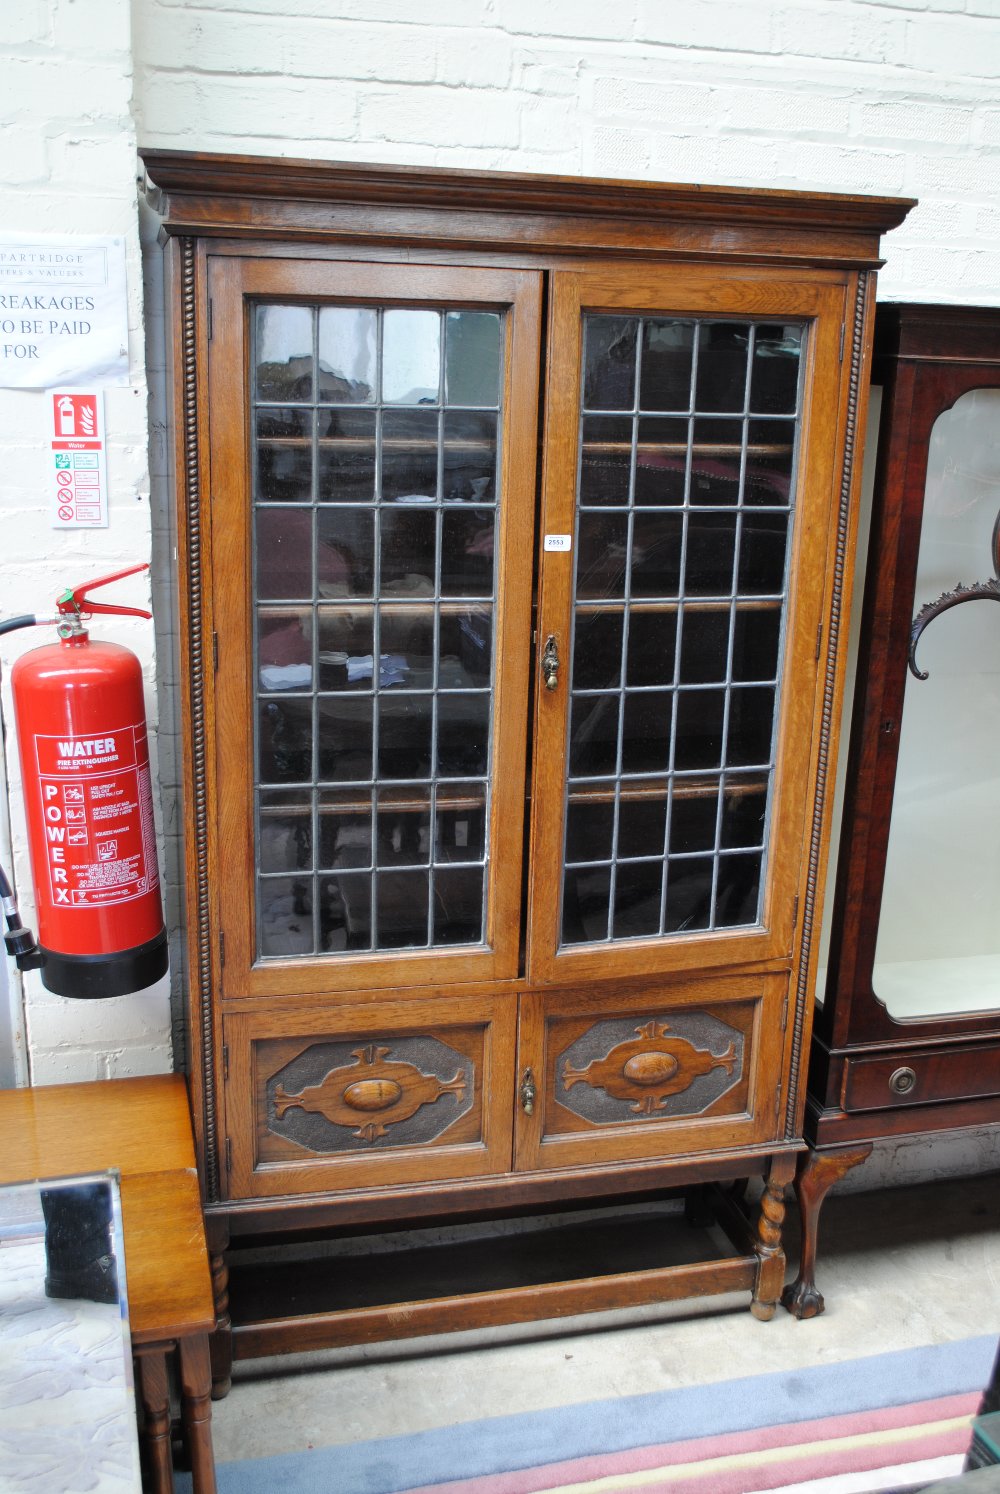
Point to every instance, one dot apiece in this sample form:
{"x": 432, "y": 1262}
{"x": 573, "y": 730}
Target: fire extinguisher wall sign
{"x": 85, "y": 764}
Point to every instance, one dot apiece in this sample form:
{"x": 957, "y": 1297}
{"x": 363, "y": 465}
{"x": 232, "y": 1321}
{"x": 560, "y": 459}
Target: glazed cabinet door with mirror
{"x": 515, "y": 522}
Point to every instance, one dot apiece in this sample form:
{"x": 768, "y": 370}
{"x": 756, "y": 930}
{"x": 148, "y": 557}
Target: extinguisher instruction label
{"x": 97, "y": 813}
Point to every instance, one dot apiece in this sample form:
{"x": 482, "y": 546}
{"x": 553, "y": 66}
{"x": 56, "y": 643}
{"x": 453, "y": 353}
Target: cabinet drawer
{"x": 678, "y": 1068}
{"x": 921, "y": 1078}
{"x": 323, "y": 1097}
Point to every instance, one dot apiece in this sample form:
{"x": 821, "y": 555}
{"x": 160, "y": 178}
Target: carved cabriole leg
{"x": 217, "y": 1235}
{"x": 770, "y": 1256}
{"x": 196, "y": 1411}
{"x": 154, "y": 1392}
{"x": 817, "y": 1173}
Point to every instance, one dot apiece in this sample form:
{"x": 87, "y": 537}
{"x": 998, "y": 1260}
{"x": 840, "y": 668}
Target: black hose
{"x": 27, "y": 620}
{"x": 5, "y": 888}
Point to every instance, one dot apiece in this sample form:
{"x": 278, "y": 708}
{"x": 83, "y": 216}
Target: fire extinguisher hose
{"x": 26, "y": 620}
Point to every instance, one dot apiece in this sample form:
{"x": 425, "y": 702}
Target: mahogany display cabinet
{"x": 906, "y": 1040}
{"x": 515, "y": 521}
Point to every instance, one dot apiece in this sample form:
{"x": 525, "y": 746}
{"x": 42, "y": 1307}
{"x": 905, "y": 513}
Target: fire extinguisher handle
{"x": 75, "y": 600}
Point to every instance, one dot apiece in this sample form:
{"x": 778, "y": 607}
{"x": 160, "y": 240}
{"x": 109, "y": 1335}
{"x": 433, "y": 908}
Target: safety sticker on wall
{"x": 77, "y": 473}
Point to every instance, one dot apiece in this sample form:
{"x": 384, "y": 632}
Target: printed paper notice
{"x": 63, "y": 311}
{"x": 77, "y": 476}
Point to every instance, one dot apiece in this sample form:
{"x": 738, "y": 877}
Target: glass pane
{"x": 638, "y": 891}
{"x": 345, "y": 552}
{"x": 646, "y": 723}
{"x": 467, "y": 541}
{"x": 597, "y": 649}
{"x": 642, "y": 820}
{"x": 283, "y": 548}
{"x": 411, "y": 357}
{"x": 403, "y": 834}
{"x": 401, "y": 908}
{"x": 661, "y": 462}
{"x": 347, "y": 358}
{"x": 346, "y": 457}
{"x": 693, "y": 814}
{"x": 716, "y": 462}
{"x": 472, "y": 358}
{"x": 458, "y": 906}
{"x": 938, "y": 949}
{"x": 284, "y": 456}
{"x": 652, "y": 646}
{"x": 466, "y": 655}
{"x": 756, "y": 639}
{"x": 667, "y": 360}
{"x": 409, "y": 456}
{"x": 590, "y": 823}
{"x": 602, "y": 554}
{"x": 704, "y": 645}
{"x": 463, "y": 732}
{"x": 770, "y": 449}
{"x": 345, "y": 913}
{"x": 605, "y": 461}
{"x": 285, "y": 839}
{"x": 374, "y": 532}
{"x": 284, "y": 650}
{"x": 285, "y": 921}
{"x": 722, "y": 366}
{"x": 344, "y": 738}
{"x": 774, "y": 381}
{"x": 284, "y": 740}
{"x": 461, "y": 822}
{"x": 469, "y": 457}
{"x": 405, "y": 723}
{"x": 689, "y": 895}
{"x": 680, "y": 567}
{"x": 408, "y": 552}
{"x": 345, "y": 828}
{"x": 345, "y": 648}
{"x": 586, "y": 901}
{"x": 609, "y": 362}
{"x": 283, "y": 364}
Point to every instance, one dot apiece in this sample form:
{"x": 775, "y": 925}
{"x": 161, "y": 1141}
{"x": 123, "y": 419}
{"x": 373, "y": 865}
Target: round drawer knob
{"x": 901, "y": 1081}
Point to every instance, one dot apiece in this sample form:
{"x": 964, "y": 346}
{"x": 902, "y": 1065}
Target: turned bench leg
{"x": 154, "y": 1393}
{"x": 770, "y": 1256}
{"x": 816, "y": 1175}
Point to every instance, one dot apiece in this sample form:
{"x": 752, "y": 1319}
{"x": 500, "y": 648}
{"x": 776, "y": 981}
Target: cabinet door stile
{"x": 691, "y": 457}
{"x": 373, "y": 444}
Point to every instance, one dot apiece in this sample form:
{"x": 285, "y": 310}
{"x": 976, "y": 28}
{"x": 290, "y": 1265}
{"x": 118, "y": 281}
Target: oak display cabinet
{"x": 906, "y": 1040}
{"x": 515, "y": 521}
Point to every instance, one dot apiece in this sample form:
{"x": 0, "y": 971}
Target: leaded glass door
{"x": 375, "y": 584}
{"x": 683, "y": 571}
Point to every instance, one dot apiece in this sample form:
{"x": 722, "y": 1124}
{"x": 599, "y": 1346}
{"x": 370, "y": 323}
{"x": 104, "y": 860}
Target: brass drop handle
{"x": 550, "y": 662}
{"x": 527, "y": 1092}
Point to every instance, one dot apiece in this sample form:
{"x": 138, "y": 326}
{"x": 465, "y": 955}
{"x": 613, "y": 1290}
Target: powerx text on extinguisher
{"x": 81, "y": 727}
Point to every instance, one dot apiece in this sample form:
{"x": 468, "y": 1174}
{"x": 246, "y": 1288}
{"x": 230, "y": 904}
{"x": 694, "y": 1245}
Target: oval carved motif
{"x": 650, "y": 1068}
{"x": 372, "y": 1094}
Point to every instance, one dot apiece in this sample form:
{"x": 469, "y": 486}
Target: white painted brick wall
{"x": 68, "y": 165}
{"x": 884, "y": 96}
{"x": 858, "y": 95}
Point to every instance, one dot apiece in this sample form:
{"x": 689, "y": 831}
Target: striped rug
{"x": 887, "y": 1422}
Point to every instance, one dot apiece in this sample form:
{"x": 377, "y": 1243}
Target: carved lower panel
{"x": 362, "y": 1096}
{"x": 659, "y": 1068}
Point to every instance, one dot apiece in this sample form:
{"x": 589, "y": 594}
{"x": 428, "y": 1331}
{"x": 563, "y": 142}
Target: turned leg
{"x": 154, "y": 1393}
{"x": 770, "y": 1256}
{"x": 196, "y": 1411}
{"x": 222, "y": 1337}
{"x": 817, "y": 1173}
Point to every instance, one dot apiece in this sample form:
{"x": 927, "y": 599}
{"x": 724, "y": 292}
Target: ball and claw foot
{"x": 802, "y": 1299}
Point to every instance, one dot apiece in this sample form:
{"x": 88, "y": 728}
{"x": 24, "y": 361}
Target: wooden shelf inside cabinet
{"x": 569, "y": 957}
{"x": 905, "y": 1041}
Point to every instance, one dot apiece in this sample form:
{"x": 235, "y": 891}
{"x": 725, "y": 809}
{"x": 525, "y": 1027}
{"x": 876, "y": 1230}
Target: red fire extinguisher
{"x": 81, "y": 728}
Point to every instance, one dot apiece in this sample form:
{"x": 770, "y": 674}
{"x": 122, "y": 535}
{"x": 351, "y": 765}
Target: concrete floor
{"x": 899, "y": 1268}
